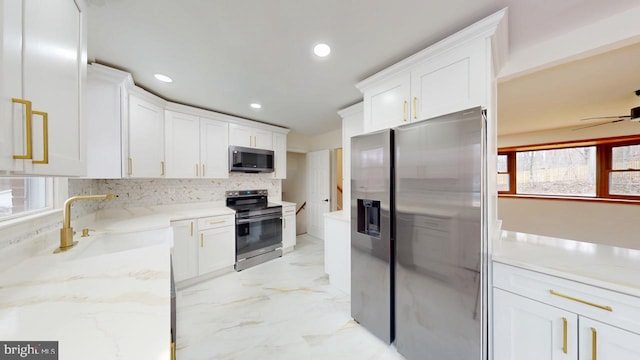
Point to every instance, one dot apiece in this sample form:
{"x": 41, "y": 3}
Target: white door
{"x": 602, "y": 341}
{"x": 146, "y": 139}
{"x": 182, "y": 146}
{"x": 214, "y": 148}
{"x": 240, "y": 135}
{"x": 185, "y": 250}
{"x": 217, "y": 249}
{"x": 318, "y": 190}
{"x": 525, "y": 329}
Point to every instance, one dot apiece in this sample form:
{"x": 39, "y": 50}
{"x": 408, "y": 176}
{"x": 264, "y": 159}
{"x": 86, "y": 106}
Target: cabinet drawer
{"x": 604, "y": 305}
{"x": 213, "y": 222}
{"x": 288, "y": 210}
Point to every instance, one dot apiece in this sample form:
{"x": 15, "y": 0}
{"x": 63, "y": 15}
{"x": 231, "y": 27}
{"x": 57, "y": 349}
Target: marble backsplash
{"x": 143, "y": 193}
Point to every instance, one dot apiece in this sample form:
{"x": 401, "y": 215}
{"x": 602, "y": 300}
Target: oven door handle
{"x": 257, "y": 219}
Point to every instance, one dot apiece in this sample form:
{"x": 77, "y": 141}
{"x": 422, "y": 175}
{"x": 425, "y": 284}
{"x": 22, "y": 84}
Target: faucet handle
{"x": 85, "y": 232}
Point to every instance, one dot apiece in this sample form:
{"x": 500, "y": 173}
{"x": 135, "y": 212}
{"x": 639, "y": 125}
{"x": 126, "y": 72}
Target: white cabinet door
{"x": 214, "y": 148}
{"x": 240, "y": 135}
{"x": 182, "y": 145}
{"x": 387, "y": 105}
{"x": 451, "y": 82}
{"x": 525, "y": 329}
{"x": 599, "y": 341}
{"x": 42, "y": 63}
{"x": 262, "y": 139}
{"x": 217, "y": 249}
{"x": 288, "y": 227}
{"x": 280, "y": 156}
{"x": 185, "y": 250}
{"x": 247, "y": 136}
{"x": 146, "y": 139}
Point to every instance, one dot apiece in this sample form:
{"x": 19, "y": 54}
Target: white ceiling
{"x": 224, "y": 55}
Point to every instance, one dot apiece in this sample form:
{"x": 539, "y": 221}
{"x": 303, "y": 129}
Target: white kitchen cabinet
{"x": 146, "y": 137}
{"x": 247, "y": 136}
{"x": 605, "y": 342}
{"x": 42, "y": 71}
{"x": 185, "y": 250}
{"x": 525, "y": 329}
{"x": 202, "y": 247}
{"x": 195, "y": 147}
{"x": 337, "y": 250}
{"x": 280, "y": 155}
{"x": 182, "y": 145}
{"x": 451, "y": 75}
{"x": 214, "y": 148}
{"x": 288, "y": 227}
{"x": 530, "y": 310}
{"x": 217, "y": 249}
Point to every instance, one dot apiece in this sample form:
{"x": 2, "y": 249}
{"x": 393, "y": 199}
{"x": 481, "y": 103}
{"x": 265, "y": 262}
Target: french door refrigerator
{"x": 418, "y": 242}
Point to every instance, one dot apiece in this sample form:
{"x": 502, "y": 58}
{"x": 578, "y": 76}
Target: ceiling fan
{"x": 633, "y": 116}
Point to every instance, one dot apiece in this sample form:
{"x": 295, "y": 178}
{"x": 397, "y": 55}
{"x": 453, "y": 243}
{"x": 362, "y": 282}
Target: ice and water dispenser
{"x": 369, "y": 217}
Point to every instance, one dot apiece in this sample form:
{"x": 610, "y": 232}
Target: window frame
{"x": 604, "y": 149}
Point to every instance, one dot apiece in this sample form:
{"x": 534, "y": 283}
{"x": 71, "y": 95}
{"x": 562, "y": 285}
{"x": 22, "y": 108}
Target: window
{"x": 23, "y": 195}
{"x": 600, "y": 168}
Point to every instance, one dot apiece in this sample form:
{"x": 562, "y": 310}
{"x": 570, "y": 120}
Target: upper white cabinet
{"x": 452, "y": 75}
{"x": 146, "y": 138}
{"x": 42, "y": 70}
{"x": 195, "y": 147}
{"x": 280, "y": 157}
{"x": 247, "y": 136}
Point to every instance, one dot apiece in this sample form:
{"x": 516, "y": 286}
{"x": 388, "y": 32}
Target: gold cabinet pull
{"x": 603, "y": 307}
{"x": 217, "y": 222}
{"x": 197, "y": 169}
{"x": 27, "y": 119}
{"x": 201, "y": 240}
{"x": 594, "y": 347}
{"x": 202, "y": 169}
{"x": 404, "y": 110}
{"x": 192, "y": 228}
{"x": 415, "y": 107}
{"x": 45, "y": 137}
{"x": 161, "y": 168}
{"x": 130, "y": 166}
{"x": 564, "y": 335}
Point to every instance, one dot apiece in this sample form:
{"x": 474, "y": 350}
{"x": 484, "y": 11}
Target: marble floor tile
{"x": 282, "y": 309}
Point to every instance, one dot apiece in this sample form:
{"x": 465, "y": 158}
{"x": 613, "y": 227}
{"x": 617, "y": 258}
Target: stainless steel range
{"x": 258, "y": 227}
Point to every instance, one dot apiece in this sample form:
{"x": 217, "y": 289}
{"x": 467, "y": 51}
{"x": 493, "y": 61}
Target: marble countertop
{"x": 608, "y": 267}
{"x": 337, "y": 215}
{"x": 98, "y": 300}
{"x": 286, "y": 203}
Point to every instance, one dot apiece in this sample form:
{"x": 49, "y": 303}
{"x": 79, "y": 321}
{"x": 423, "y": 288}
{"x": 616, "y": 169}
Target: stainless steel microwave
{"x": 249, "y": 160}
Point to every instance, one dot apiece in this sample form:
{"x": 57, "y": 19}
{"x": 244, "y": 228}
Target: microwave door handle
{"x": 257, "y": 219}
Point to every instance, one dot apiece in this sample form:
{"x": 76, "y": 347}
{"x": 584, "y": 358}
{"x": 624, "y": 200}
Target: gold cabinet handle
{"x": 202, "y": 169}
{"x": 217, "y": 222}
{"x": 27, "y": 119}
{"x": 130, "y": 166}
{"x": 192, "y": 228}
{"x": 415, "y": 107}
{"x": 201, "y": 240}
{"x": 161, "y": 168}
{"x": 603, "y": 307}
{"x": 404, "y": 110}
{"x": 45, "y": 137}
{"x": 594, "y": 347}
{"x": 564, "y": 335}
{"x": 197, "y": 169}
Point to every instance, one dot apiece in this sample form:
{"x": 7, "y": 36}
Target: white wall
{"x": 329, "y": 140}
{"x": 604, "y": 223}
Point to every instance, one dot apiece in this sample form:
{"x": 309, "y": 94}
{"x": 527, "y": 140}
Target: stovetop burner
{"x": 251, "y": 202}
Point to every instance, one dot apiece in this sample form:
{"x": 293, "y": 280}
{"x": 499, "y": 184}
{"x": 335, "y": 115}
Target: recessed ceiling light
{"x": 256, "y": 106}
{"x": 322, "y": 50}
{"x": 163, "y": 78}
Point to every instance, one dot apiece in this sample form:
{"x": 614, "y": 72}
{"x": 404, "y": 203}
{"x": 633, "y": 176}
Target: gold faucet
{"x": 66, "y": 233}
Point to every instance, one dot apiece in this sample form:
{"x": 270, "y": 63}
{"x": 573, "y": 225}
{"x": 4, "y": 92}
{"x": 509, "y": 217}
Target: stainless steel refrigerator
{"x": 418, "y": 243}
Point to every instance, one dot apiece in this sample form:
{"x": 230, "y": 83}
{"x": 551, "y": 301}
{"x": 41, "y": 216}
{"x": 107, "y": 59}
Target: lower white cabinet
{"x": 525, "y": 329}
{"x": 538, "y": 317}
{"x": 217, "y": 249}
{"x": 185, "y": 250}
{"x": 288, "y": 227}
{"x": 203, "y": 246}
